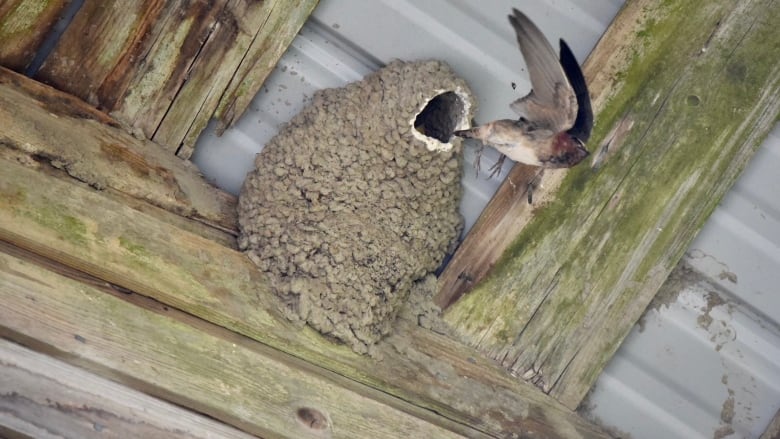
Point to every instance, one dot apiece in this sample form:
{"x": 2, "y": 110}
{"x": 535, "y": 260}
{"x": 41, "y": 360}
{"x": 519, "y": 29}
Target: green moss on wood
{"x": 137, "y": 250}
{"x": 166, "y": 60}
{"x": 44, "y": 212}
{"x": 22, "y": 18}
{"x": 221, "y": 286}
{"x": 66, "y": 226}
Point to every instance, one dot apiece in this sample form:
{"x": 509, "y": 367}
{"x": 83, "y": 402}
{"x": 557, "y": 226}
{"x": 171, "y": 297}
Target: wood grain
{"x": 41, "y": 396}
{"x": 506, "y": 214}
{"x": 230, "y": 378}
{"x": 163, "y": 67}
{"x": 50, "y": 125}
{"x": 268, "y": 45}
{"x": 690, "y": 91}
{"x": 240, "y": 53}
{"x": 24, "y": 24}
{"x": 80, "y": 228}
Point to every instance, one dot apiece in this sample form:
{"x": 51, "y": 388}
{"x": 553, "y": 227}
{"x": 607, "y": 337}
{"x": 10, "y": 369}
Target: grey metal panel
{"x": 670, "y": 379}
{"x": 718, "y": 342}
{"x": 740, "y": 247}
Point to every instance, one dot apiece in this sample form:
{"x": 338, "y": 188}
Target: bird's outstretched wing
{"x": 584, "y": 122}
{"x": 551, "y": 104}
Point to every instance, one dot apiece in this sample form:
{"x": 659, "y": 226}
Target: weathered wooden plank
{"x": 505, "y": 216}
{"x": 71, "y": 135}
{"x": 24, "y": 25}
{"x": 241, "y": 52}
{"x": 120, "y": 34}
{"x": 82, "y": 229}
{"x": 267, "y": 47}
{"x": 209, "y": 74}
{"x": 213, "y": 371}
{"x": 163, "y": 66}
{"x": 696, "y": 88}
{"x": 41, "y": 396}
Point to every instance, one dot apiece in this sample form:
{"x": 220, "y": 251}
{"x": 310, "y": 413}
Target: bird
{"x": 555, "y": 117}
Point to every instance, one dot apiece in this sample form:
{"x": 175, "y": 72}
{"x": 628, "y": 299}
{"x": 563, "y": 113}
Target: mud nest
{"x": 356, "y": 199}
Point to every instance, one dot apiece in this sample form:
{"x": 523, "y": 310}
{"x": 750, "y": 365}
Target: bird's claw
{"x": 496, "y": 168}
{"x": 478, "y": 160}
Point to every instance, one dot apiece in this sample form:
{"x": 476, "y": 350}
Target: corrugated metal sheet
{"x": 674, "y": 374}
{"x": 707, "y": 364}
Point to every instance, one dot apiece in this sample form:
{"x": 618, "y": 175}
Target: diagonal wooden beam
{"x": 684, "y": 93}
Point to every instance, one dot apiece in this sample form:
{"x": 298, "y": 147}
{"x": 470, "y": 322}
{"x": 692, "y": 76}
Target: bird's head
{"x": 580, "y": 152}
{"x": 568, "y": 150}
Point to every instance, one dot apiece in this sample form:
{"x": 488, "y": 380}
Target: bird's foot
{"x": 533, "y": 184}
{"x": 496, "y": 168}
{"x": 478, "y": 160}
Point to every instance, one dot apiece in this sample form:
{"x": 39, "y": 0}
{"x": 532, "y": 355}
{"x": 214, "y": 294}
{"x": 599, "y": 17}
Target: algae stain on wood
{"x": 162, "y": 67}
{"x": 66, "y": 226}
{"x": 47, "y": 214}
{"x": 636, "y": 92}
{"x": 115, "y": 46}
{"x": 216, "y": 284}
{"x": 24, "y": 24}
{"x": 139, "y": 252}
{"x": 21, "y": 18}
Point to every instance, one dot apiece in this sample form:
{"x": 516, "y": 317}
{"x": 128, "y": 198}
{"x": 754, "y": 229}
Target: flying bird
{"x": 555, "y": 117}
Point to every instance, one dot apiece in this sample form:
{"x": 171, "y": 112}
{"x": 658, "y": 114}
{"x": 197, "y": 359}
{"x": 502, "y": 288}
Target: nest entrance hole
{"x": 440, "y": 116}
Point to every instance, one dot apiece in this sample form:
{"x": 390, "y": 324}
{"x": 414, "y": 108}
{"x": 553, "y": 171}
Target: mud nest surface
{"x": 356, "y": 199}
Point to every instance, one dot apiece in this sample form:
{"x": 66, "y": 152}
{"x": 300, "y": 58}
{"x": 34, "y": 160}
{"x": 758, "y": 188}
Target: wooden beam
{"x": 163, "y": 67}
{"x": 86, "y": 230}
{"x": 40, "y": 396}
{"x": 24, "y": 24}
{"x": 694, "y": 89}
{"x": 230, "y": 69}
{"x": 270, "y": 43}
{"x": 228, "y": 377}
{"x": 125, "y": 42}
{"x": 41, "y": 122}
{"x": 507, "y": 213}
